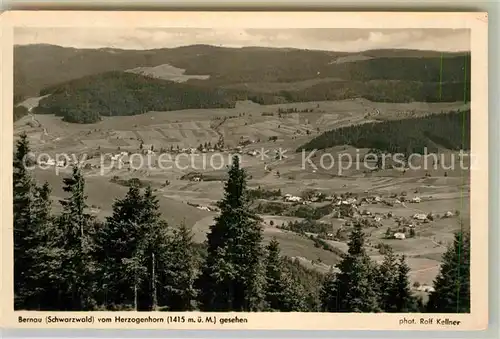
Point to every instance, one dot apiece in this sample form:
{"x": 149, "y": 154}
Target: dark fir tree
{"x": 179, "y": 269}
{"x": 23, "y": 201}
{"x": 232, "y": 278}
{"x": 131, "y": 246}
{"x": 154, "y": 242}
{"x": 353, "y": 289}
{"x": 32, "y": 235}
{"x": 281, "y": 292}
{"x": 328, "y": 293}
{"x": 402, "y": 300}
{"x": 452, "y": 285}
{"x": 117, "y": 243}
{"x": 77, "y": 234}
{"x": 40, "y": 290}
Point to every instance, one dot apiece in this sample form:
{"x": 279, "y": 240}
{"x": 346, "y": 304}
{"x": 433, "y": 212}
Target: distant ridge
{"x": 380, "y": 52}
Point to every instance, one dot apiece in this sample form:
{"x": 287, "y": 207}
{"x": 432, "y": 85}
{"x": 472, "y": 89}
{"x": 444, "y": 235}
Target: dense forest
{"x": 135, "y": 261}
{"x": 19, "y": 112}
{"x": 412, "y": 135}
{"x": 86, "y": 99}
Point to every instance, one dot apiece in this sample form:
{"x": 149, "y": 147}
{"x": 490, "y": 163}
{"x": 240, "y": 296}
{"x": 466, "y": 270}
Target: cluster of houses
{"x": 313, "y": 198}
{"x": 52, "y": 162}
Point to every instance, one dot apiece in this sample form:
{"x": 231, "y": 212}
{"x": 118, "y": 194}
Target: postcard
{"x": 244, "y": 170}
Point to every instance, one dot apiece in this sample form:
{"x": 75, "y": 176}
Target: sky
{"x": 330, "y": 39}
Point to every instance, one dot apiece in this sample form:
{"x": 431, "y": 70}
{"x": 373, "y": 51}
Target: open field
{"x": 182, "y": 200}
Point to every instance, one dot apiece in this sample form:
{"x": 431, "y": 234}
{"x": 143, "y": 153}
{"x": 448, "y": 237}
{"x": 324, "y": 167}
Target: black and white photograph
{"x": 243, "y": 169}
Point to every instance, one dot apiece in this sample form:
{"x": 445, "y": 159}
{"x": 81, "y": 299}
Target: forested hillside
{"x": 450, "y": 130}
{"x": 119, "y": 93}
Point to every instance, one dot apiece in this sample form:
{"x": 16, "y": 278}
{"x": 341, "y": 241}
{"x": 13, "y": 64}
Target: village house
{"x": 426, "y": 288}
{"x": 400, "y": 236}
{"x": 351, "y": 201}
{"x": 419, "y": 216}
{"x": 416, "y": 200}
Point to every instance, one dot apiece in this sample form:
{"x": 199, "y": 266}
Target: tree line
{"x": 411, "y": 135}
{"x": 133, "y": 260}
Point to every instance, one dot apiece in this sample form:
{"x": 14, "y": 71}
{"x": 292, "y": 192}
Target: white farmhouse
{"x": 416, "y": 200}
{"x": 400, "y": 236}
